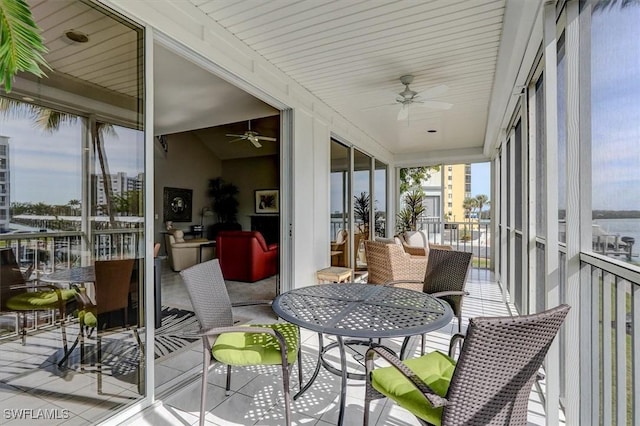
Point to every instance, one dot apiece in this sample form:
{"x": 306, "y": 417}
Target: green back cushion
{"x": 38, "y": 300}
{"x": 256, "y": 348}
{"x": 88, "y": 318}
{"x": 435, "y": 369}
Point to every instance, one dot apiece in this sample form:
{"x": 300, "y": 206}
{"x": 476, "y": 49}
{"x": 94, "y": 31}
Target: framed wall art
{"x": 177, "y": 204}
{"x": 267, "y": 201}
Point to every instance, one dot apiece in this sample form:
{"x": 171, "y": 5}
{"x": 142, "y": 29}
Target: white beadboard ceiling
{"x": 351, "y": 55}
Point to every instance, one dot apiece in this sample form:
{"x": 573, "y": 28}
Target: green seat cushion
{"x": 435, "y": 369}
{"x": 256, "y": 348}
{"x": 38, "y": 300}
{"x": 87, "y": 318}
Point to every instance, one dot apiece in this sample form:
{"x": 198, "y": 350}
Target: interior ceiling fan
{"x": 408, "y": 98}
{"x": 251, "y": 136}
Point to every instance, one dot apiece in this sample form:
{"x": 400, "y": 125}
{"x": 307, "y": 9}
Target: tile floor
{"x": 256, "y": 397}
{"x": 30, "y": 380}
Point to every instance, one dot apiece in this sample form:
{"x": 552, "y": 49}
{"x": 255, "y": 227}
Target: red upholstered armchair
{"x": 245, "y": 256}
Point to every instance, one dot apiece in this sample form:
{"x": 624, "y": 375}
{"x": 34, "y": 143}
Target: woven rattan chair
{"x": 490, "y": 383}
{"x": 445, "y": 277}
{"x": 273, "y": 344}
{"x": 389, "y": 262}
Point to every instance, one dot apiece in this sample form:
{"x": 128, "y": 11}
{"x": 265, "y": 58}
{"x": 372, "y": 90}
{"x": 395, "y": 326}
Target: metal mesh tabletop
{"x": 362, "y": 310}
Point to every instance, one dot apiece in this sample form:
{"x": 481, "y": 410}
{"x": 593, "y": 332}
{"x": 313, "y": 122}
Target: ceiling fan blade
{"x": 403, "y": 114}
{"x": 378, "y": 106}
{"x": 434, "y": 91}
{"x": 256, "y": 143}
{"x": 236, "y": 136}
{"x": 266, "y": 138}
{"x": 433, "y": 104}
{"x": 237, "y": 140}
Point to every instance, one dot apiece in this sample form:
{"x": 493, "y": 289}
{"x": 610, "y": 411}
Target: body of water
{"x": 623, "y": 228}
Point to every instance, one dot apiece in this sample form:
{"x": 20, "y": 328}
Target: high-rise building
{"x": 120, "y": 184}
{"x": 457, "y": 187}
{"x": 5, "y": 187}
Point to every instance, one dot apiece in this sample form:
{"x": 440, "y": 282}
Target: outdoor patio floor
{"x": 256, "y": 396}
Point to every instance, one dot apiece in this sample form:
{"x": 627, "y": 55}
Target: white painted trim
{"x": 511, "y": 214}
{"x": 572, "y": 223}
{"x": 552, "y": 288}
{"x": 521, "y": 38}
{"x": 149, "y": 219}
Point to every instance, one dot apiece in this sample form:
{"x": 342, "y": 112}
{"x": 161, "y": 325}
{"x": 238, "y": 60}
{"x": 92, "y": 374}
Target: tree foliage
{"x": 413, "y": 176}
{"x": 21, "y": 46}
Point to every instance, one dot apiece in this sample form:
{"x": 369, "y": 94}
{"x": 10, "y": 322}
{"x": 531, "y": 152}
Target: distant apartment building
{"x": 120, "y": 185}
{"x": 5, "y": 187}
{"x": 451, "y": 183}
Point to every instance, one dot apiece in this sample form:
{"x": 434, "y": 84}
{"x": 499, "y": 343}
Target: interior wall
{"x": 187, "y": 164}
{"x": 249, "y": 174}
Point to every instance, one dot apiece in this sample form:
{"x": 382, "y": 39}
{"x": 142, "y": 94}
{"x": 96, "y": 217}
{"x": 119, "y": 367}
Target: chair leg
{"x": 23, "y": 332}
{"x": 300, "y": 367}
{"x": 99, "y": 361}
{"x": 460, "y": 323}
{"x": 287, "y": 396}
{"x": 228, "y": 385}
{"x": 206, "y": 360}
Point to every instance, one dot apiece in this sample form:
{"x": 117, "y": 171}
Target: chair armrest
{"x": 440, "y": 246}
{"x": 252, "y": 303}
{"x": 272, "y": 247}
{"x": 432, "y": 398}
{"x": 414, "y": 250}
{"x": 452, "y": 343}
{"x": 450, "y": 293}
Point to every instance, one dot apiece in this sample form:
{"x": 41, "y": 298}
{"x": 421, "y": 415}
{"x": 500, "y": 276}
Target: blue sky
{"x": 46, "y": 167}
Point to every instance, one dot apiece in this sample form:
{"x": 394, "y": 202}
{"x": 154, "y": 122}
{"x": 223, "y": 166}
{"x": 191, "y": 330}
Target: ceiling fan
{"x": 409, "y": 97}
{"x": 251, "y": 136}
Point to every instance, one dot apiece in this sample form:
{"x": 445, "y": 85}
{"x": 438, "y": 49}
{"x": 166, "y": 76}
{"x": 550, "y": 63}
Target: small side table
{"x": 334, "y": 274}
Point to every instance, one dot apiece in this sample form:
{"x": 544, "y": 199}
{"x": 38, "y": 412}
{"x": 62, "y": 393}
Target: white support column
{"x": 530, "y": 223}
{"x": 503, "y": 219}
{"x": 149, "y": 220}
{"x": 573, "y": 390}
{"x": 552, "y": 290}
{"x": 493, "y": 214}
{"x": 512, "y": 215}
{"x": 524, "y": 211}
{"x": 589, "y": 363}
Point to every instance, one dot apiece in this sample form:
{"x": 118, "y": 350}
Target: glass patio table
{"x": 363, "y": 311}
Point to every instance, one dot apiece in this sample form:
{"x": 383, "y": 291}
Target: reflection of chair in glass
{"x": 490, "y": 383}
{"x": 18, "y": 296}
{"x": 340, "y": 249}
{"x": 273, "y": 344}
{"x": 389, "y": 262}
{"x": 111, "y": 295}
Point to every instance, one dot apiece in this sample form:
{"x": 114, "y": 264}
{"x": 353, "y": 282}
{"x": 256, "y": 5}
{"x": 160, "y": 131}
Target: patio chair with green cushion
{"x": 489, "y": 384}
{"x": 272, "y": 344}
{"x": 18, "y": 296}
{"x": 111, "y": 295}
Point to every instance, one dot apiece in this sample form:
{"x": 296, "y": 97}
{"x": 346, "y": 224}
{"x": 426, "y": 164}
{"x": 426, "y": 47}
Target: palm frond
{"x": 21, "y": 45}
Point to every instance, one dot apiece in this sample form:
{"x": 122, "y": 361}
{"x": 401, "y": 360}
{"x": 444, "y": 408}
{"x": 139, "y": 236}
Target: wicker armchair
{"x": 490, "y": 383}
{"x": 389, "y": 262}
{"x": 446, "y": 277}
{"x": 421, "y": 249}
{"x": 272, "y": 344}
